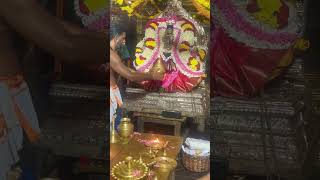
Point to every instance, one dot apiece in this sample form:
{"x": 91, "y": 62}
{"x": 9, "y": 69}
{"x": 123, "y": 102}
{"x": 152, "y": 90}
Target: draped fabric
{"x": 238, "y": 70}
{"x": 176, "y": 82}
{"x": 252, "y": 42}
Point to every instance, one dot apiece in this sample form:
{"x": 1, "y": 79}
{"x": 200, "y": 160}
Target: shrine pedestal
{"x": 156, "y": 119}
{"x": 192, "y": 105}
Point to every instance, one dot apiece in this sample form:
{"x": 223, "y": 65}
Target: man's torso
{"x": 9, "y": 64}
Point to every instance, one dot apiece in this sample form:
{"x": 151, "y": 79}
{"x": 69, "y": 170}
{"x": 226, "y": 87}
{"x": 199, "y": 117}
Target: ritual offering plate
{"x": 130, "y": 169}
{"x": 147, "y": 158}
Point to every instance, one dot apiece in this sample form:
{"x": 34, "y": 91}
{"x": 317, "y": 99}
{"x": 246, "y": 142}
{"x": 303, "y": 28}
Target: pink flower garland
{"x": 231, "y": 13}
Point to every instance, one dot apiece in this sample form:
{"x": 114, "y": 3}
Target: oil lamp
{"x": 114, "y": 137}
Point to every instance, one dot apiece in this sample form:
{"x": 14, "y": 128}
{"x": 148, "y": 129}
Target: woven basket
{"x": 196, "y": 163}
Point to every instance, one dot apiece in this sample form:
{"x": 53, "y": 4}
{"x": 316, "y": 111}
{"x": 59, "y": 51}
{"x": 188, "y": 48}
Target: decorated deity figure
{"x": 170, "y": 45}
{"x": 253, "y": 42}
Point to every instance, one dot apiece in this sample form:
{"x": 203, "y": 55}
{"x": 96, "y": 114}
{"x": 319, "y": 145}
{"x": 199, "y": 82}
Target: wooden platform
{"x": 194, "y": 105}
{"x": 143, "y": 118}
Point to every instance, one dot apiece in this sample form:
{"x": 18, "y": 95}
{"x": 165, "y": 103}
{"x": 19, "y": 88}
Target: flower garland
{"x": 242, "y": 26}
{"x": 94, "y": 16}
{"x": 131, "y": 8}
{"x": 203, "y": 7}
{"x": 176, "y": 7}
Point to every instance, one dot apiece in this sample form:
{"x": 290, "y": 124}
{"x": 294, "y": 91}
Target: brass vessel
{"x": 125, "y": 130}
{"x": 158, "y": 66}
{"x": 130, "y": 169}
{"x": 165, "y": 164}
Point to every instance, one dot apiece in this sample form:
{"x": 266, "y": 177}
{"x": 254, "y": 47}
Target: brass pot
{"x": 165, "y": 164}
{"x": 125, "y": 128}
{"x": 158, "y": 67}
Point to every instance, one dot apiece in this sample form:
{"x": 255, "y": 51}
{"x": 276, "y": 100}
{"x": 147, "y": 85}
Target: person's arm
{"x": 29, "y": 19}
{"x": 71, "y": 28}
{"x": 77, "y": 30}
{"x": 117, "y": 65}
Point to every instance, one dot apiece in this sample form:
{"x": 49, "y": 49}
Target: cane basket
{"x": 196, "y": 163}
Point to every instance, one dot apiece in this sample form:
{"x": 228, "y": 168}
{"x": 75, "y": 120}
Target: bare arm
{"x": 117, "y": 65}
{"x": 71, "y": 28}
{"x": 36, "y": 25}
{"x": 77, "y": 30}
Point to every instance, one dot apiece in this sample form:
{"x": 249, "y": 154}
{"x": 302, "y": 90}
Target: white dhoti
{"x": 17, "y": 114}
{"x": 115, "y": 102}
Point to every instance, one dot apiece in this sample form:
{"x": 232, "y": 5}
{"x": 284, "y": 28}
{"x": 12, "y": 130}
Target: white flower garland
{"x": 92, "y": 18}
{"x": 184, "y": 56}
{"x": 249, "y": 39}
